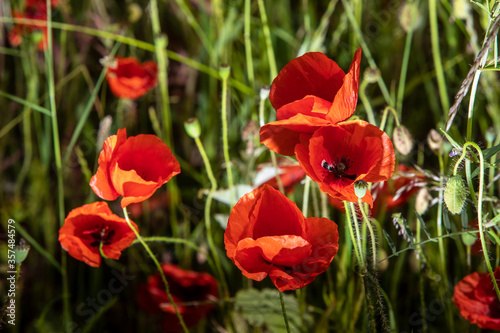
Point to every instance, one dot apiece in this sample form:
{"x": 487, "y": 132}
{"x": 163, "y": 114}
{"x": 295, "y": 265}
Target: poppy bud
{"x": 435, "y": 141}
{"x": 371, "y": 75}
{"x": 103, "y": 132}
{"x": 402, "y": 140}
{"x": 134, "y": 12}
{"x": 422, "y": 201}
{"x": 192, "y": 127}
{"x": 490, "y": 135}
{"x": 21, "y": 251}
{"x": 409, "y": 16}
{"x": 360, "y": 188}
{"x": 455, "y": 194}
{"x": 264, "y": 92}
{"x": 224, "y": 71}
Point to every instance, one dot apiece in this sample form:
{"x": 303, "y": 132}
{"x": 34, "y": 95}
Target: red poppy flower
{"x": 268, "y": 235}
{"x": 34, "y": 10}
{"x": 309, "y": 92}
{"x": 477, "y": 301}
{"x": 195, "y": 288}
{"x": 86, "y": 227}
{"x": 130, "y": 79}
{"x": 337, "y": 156}
{"x": 133, "y": 167}
{"x": 290, "y": 175}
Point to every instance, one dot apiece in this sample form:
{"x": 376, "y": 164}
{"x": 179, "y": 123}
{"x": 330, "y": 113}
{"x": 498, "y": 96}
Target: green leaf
{"x": 263, "y": 308}
{"x": 424, "y": 227}
{"x": 389, "y": 241}
{"x": 453, "y": 142}
{"x": 446, "y": 221}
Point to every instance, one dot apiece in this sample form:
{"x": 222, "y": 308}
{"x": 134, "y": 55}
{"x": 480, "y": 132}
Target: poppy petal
{"x": 310, "y": 74}
{"x": 345, "y": 100}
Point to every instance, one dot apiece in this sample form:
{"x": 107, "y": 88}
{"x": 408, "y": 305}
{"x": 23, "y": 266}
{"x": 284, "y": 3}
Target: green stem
{"x": 208, "y": 225}
{"x": 355, "y": 243}
{"x": 224, "y": 73}
{"x": 404, "y": 66}
{"x": 366, "y": 102}
{"x": 267, "y": 35}
{"x": 160, "y": 270}
{"x": 305, "y": 197}
{"x": 283, "y": 310}
{"x": 480, "y": 207}
{"x": 370, "y": 230}
{"x": 366, "y": 51}
{"x": 436, "y": 55}
{"x": 248, "y": 44}
{"x": 384, "y": 117}
{"x": 57, "y": 157}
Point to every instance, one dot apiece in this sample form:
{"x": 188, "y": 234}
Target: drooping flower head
{"x": 185, "y": 287}
{"x": 475, "y": 298}
{"x": 133, "y": 167}
{"x": 130, "y": 79}
{"x": 309, "y": 92}
{"x": 337, "y": 156}
{"x": 268, "y": 235}
{"x": 88, "y": 227}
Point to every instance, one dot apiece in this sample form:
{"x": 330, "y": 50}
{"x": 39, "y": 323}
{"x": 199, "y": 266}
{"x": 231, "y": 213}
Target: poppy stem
{"x": 267, "y": 36}
{"x": 370, "y": 229}
{"x": 366, "y": 102}
{"x": 384, "y": 117}
{"x": 224, "y": 71}
{"x": 479, "y": 207}
{"x": 355, "y": 243}
{"x": 283, "y": 309}
{"x": 160, "y": 270}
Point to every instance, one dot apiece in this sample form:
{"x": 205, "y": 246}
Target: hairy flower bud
{"x": 371, "y": 75}
{"x": 21, "y": 251}
{"x": 435, "y": 141}
{"x": 402, "y": 139}
{"x": 422, "y": 201}
{"x": 455, "y": 194}
{"x": 134, "y": 12}
{"x": 409, "y": 16}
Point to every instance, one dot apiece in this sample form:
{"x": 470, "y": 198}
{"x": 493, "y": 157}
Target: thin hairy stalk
{"x": 436, "y": 56}
{"x": 248, "y": 44}
{"x": 366, "y": 50}
{"x": 224, "y": 73}
{"x": 370, "y": 229}
{"x": 57, "y": 156}
{"x": 384, "y": 117}
{"x": 421, "y": 276}
{"x": 366, "y": 102}
{"x": 160, "y": 270}
{"x": 208, "y": 204}
{"x": 269, "y": 45}
{"x": 356, "y": 243}
{"x": 479, "y": 207}
{"x": 283, "y": 310}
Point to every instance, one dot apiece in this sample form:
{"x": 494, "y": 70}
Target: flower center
{"x": 339, "y": 168}
{"x": 101, "y": 235}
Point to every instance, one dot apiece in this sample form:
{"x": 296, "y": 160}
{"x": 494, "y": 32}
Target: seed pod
{"x": 422, "y": 201}
{"x": 455, "y": 194}
{"x": 409, "y": 16}
{"x": 21, "y": 251}
{"x": 402, "y": 140}
{"x": 360, "y": 188}
{"x": 371, "y": 75}
{"x": 192, "y": 127}
{"x": 435, "y": 141}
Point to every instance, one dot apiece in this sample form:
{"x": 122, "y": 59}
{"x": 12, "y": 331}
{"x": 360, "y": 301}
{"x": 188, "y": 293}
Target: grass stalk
{"x": 224, "y": 73}
{"x": 160, "y": 270}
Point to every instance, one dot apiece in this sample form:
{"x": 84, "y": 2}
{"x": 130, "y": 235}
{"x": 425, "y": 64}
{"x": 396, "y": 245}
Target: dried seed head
{"x": 192, "y": 127}
{"x": 435, "y": 141}
{"x": 402, "y": 140}
{"x": 422, "y": 201}
{"x": 455, "y": 194}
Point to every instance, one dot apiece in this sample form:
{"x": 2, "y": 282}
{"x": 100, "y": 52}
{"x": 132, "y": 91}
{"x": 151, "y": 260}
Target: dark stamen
{"x": 340, "y": 168}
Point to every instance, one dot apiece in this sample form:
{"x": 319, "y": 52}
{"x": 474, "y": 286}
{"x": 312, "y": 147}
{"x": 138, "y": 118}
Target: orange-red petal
{"x": 131, "y": 79}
